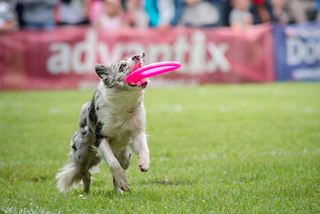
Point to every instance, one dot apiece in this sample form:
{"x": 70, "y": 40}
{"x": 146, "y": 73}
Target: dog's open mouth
{"x": 139, "y": 83}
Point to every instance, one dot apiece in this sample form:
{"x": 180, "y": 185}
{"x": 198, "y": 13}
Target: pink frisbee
{"x": 137, "y": 75}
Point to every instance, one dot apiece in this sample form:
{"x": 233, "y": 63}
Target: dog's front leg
{"x": 140, "y": 147}
{"x": 119, "y": 177}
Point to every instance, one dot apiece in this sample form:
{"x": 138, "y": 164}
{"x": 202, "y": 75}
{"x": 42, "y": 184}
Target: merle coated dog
{"x": 110, "y": 126}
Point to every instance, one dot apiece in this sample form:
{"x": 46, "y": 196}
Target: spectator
{"x": 262, "y": 11}
{"x": 318, "y": 10}
{"x": 8, "y": 18}
{"x": 19, "y": 10}
{"x": 178, "y": 6}
{"x": 152, "y": 11}
{"x": 137, "y": 16}
{"x": 240, "y": 16}
{"x": 162, "y": 12}
{"x": 225, "y": 12}
{"x": 311, "y": 10}
{"x": 300, "y": 9}
{"x": 200, "y": 13}
{"x": 293, "y": 11}
{"x": 39, "y": 14}
{"x": 166, "y": 10}
{"x": 94, "y": 10}
{"x": 281, "y": 11}
{"x": 112, "y": 16}
{"x": 73, "y": 12}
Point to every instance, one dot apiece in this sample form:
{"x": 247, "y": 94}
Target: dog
{"x": 111, "y": 125}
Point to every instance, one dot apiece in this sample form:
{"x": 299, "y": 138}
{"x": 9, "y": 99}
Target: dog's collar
{"x": 134, "y": 108}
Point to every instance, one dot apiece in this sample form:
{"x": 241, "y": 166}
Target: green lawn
{"x": 221, "y": 148}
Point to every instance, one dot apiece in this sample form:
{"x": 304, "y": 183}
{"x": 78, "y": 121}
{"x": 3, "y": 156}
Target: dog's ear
{"x": 143, "y": 57}
{"x": 102, "y": 71}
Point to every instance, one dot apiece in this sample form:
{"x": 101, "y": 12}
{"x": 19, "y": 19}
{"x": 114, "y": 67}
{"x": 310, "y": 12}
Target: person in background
{"x": 112, "y": 16}
{"x": 39, "y": 14}
{"x": 136, "y": 14}
{"x": 281, "y": 11}
{"x": 8, "y": 17}
{"x": 94, "y": 9}
{"x": 301, "y": 10}
{"x": 200, "y": 13}
{"x": 262, "y": 11}
{"x": 163, "y": 13}
{"x": 73, "y": 12}
{"x": 151, "y": 8}
{"x": 294, "y": 11}
{"x": 166, "y": 9}
{"x": 179, "y": 7}
{"x": 240, "y": 16}
{"x": 318, "y": 10}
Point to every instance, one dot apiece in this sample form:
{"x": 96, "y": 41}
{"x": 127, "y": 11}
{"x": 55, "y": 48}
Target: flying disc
{"x": 151, "y": 70}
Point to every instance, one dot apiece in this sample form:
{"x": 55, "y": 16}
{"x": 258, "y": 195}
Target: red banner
{"x": 65, "y": 57}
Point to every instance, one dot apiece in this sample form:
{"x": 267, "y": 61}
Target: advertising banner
{"x": 297, "y": 55}
{"x": 64, "y": 58}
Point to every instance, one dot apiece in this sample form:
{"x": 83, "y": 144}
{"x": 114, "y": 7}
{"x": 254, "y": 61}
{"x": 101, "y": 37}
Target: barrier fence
{"x": 64, "y": 58}
{"x": 297, "y": 52}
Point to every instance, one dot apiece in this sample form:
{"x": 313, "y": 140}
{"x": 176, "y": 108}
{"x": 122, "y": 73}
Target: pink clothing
{"x": 96, "y": 10}
{"x": 107, "y": 22}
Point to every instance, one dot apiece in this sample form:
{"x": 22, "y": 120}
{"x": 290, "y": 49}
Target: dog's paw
{"x": 121, "y": 181}
{"x": 144, "y": 163}
{"x": 119, "y": 178}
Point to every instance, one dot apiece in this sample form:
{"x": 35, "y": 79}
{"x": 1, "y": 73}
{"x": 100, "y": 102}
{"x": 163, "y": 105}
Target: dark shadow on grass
{"x": 39, "y": 178}
{"x": 110, "y": 193}
{"x": 107, "y": 193}
{"x": 165, "y": 182}
{"x": 28, "y": 178}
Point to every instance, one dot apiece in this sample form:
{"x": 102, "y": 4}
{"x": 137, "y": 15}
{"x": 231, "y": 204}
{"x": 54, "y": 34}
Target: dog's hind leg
{"x": 88, "y": 161}
{"x": 69, "y": 175}
{"x": 124, "y": 158}
{"x": 82, "y": 158}
{"x": 76, "y": 169}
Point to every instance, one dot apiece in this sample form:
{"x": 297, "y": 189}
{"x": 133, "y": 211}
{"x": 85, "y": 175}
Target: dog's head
{"x": 114, "y": 75}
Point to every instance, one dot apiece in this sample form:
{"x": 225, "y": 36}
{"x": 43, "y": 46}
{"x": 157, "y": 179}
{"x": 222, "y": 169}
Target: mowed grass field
{"x": 214, "y": 149}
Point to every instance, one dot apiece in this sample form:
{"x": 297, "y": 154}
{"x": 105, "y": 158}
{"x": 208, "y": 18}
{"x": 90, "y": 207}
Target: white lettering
{"x": 193, "y": 54}
{"x": 299, "y": 51}
{"x": 198, "y": 52}
{"x": 180, "y": 49}
{"x": 60, "y": 61}
{"x": 306, "y": 74}
{"x": 310, "y": 53}
{"x": 294, "y": 47}
{"x": 218, "y": 57}
{"x": 86, "y": 49}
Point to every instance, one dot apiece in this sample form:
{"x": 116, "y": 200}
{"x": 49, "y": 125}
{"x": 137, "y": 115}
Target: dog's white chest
{"x": 119, "y": 131}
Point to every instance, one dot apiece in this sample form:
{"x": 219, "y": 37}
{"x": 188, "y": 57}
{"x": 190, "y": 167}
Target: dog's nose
{"x": 136, "y": 57}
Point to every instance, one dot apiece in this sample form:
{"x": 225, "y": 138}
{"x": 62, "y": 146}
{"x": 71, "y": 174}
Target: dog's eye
{"x": 122, "y": 67}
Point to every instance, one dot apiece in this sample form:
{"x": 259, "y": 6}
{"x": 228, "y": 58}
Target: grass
{"x": 214, "y": 149}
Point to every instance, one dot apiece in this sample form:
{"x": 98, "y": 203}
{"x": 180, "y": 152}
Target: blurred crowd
{"x": 114, "y": 14}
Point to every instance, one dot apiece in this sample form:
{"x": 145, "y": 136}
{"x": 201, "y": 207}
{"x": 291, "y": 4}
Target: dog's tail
{"x": 68, "y": 175}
